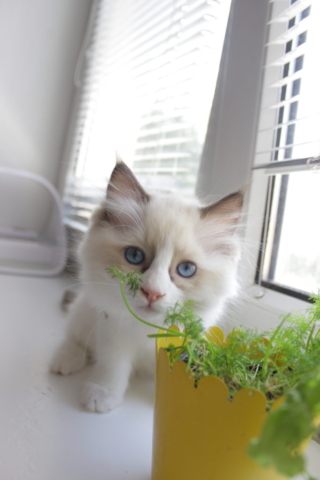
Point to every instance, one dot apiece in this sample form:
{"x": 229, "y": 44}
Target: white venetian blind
{"x": 290, "y": 112}
{"x": 148, "y": 78}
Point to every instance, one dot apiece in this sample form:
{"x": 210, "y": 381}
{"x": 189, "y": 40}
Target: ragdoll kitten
{"x": 185, "y": 252}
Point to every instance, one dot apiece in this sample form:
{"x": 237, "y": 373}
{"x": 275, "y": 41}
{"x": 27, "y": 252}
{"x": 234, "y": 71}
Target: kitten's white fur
{"x": 169, "y": 231}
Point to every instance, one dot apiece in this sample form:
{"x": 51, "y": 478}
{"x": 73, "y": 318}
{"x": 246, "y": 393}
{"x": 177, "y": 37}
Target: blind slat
{"x": 147, "y": 88}
{"x": 289, "y": 125}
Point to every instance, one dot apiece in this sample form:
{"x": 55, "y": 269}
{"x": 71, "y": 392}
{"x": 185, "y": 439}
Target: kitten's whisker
{"x": 65, "y": 289}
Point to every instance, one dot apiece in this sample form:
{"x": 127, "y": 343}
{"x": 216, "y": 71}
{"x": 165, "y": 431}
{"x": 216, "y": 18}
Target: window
{"x": 292, "y": 22}
{"x": 148, "y": 84}
{"x": 288, "y": 147}
{"x": 289, "y": 46}
{"x": 305, "y": 13}
{"x": 286, "y": 70}
{"x": 292, "y": 257}
{"x": 293, "y": 111}
{"x": 287, "y": 137}
{"x": 296, "y": 87}
{"x": 302, "y": 38}
{"x": 283, "y": 92}
{"x": 298, "y": 63}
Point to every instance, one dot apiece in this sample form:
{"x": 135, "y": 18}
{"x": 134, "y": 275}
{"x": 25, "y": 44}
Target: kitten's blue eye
{"x": 186, "y": 269}
{"x": 134, "y": 255}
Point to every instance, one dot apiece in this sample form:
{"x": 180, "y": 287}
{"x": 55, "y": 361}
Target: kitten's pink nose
{"x": 151, "y": 295}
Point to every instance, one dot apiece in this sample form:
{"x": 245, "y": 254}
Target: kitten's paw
{"x": 96, "y": 398}
{"x": 70, "y": 358}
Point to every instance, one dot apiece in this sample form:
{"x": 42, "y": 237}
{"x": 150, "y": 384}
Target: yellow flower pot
{"x": 199, "y": 434}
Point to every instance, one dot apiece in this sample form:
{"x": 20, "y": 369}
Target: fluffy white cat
{"x": 185, "y": 252}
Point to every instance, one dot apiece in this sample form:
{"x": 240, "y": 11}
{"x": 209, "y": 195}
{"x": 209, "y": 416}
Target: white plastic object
{"x": 32, "y": 234}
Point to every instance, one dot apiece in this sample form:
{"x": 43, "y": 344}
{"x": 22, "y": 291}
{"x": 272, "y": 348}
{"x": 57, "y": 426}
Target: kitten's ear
{"x": 123, "y": 206}
{"x": 219, "y": 221}
{"x": 226, "y": 213}
{"x": 124, "y": 185}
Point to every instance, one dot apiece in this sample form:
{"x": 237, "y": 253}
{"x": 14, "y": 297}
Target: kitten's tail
{"x": 67, "y": 299}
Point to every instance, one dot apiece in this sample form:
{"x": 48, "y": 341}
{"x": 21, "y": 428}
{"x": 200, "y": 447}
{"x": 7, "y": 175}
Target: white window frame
{"x": 228, "y": 155}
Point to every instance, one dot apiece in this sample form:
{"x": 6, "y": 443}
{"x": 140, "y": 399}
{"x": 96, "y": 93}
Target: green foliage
{"x": 287, "y": 426}
{"x": 132, "y": 280}
{"x": 247, "y": 360}
{"x": 280, "y": 362}
{"x": 184, "y": 315}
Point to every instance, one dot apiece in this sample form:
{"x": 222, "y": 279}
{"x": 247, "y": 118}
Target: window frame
{"x": 234, "y": 109}
{"x": 261, "y": 297}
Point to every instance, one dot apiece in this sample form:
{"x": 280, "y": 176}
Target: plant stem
{"x": 172, "y": 332}
{"x": 269, "y": 347}
{"x": 310, "y": 337}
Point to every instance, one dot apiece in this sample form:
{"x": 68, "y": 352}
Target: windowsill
{"x": 264, "y": 312}
{"x": 45, "y": 434}
{"x": 275, "y": 302}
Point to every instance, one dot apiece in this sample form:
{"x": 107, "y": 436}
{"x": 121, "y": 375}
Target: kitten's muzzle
{"x": 151, "y": 295}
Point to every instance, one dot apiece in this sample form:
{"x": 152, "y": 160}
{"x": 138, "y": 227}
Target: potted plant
{"x": 241, "y": 407}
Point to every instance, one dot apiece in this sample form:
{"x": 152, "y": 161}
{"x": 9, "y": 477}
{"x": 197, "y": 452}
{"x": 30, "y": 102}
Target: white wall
{"x": 39, "y": 46}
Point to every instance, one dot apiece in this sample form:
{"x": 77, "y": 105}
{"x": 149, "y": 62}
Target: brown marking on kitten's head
{"x": 226, "y": 211}
{"x": 219, "y": 222}
{"x": 123, "y": 182}
{"x": 122, "y": 185}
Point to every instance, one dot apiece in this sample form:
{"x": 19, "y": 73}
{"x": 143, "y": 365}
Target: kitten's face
{"x": 184, "y": 252}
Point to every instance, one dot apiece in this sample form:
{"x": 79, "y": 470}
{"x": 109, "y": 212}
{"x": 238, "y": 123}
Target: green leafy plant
{"x": 280, "y": 362}
{"x": 287, "y": 426}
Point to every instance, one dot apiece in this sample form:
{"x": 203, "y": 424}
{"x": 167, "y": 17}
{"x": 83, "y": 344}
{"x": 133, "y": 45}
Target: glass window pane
{"x": 155, "y": 92}
{"x": 305, "y": 13}
{"x": 293, "y": 111}
{"x": 291, "y": 22}
{"x": 281, "y": 112}
{"x": 302, "y": 38}
{"x": 288, "y": 46}
{"x": 296, "y": 87}
{"x": 292, "y": 257}
{"x": 290, "y": 134}
{"x": 298, "y": 64}
{"x": 286, "y": 70}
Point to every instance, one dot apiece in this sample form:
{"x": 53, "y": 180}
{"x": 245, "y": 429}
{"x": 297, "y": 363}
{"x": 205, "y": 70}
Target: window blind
{"x": 288, "y": 148}
{"x": 289, "y": 125}
{"x": 148, "y": 77}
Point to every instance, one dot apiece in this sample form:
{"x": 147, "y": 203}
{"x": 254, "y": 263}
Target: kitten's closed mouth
{"x": 149, "y": 308}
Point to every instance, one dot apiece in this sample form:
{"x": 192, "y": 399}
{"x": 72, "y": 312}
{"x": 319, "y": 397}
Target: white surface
{"x": 44, "y": 434}
{"x": 39, "y": 46}
{"x": 43, "y": 251}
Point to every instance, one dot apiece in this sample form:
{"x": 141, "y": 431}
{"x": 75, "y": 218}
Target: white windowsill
{"x": 44, "y": 432}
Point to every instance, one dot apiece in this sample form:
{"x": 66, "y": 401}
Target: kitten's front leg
{"x": 78, "y": 346}
{"x": 110, "y": 378}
